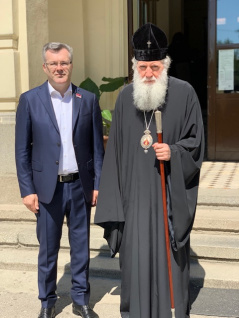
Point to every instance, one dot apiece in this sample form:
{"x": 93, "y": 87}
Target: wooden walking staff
{"x": 158, "y": 121}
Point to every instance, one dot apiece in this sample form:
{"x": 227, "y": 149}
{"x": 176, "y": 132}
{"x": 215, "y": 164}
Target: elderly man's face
{"x": 150, "y": 82}
{"x": 150, "y": 70}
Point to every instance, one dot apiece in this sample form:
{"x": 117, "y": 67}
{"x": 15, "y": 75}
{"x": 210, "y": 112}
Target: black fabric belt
{"x": 68, "y": 178}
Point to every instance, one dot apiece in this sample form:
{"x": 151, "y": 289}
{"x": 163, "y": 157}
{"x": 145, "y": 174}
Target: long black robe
{"x": 130, "y": 201}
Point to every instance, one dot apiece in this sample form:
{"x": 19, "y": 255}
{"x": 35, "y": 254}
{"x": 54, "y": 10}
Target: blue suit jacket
{"x": 38, "y": 141}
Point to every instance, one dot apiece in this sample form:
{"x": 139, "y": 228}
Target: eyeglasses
{"x": 53, "y": 65}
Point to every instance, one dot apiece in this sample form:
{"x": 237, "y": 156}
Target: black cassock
{"x": 130, "y": 201}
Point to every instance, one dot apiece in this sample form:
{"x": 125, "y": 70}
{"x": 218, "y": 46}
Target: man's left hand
{"x": 162, "y": 151}
{"x": 94, "y": 197}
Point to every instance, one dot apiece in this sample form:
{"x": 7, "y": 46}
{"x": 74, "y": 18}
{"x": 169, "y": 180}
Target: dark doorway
{"x": 195, "y": 30}
{"x": 196, "y": 33}
{"x": 188, "y": 50}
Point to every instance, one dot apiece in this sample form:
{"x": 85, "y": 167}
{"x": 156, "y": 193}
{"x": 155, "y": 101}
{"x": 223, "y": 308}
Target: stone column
{"x": 23, "y": 32}
{"x": 37, "y": 36}
{"x": 9, "y": 81}
{"x": 9, "y": 57}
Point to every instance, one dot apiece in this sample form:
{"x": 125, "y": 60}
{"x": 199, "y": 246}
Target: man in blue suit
{"x": 59, "y": 154}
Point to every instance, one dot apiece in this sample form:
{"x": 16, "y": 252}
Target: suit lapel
{"x": 76, "y": 104}
{"x": 46, "y": 100}
{"x": 45, "y": 97}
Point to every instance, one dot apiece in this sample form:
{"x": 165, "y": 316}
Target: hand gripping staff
{"x": 158, "y": 121}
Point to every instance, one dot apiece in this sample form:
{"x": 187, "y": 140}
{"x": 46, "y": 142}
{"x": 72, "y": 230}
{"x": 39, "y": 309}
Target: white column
{"x": 9, "y": 57}
{"x": 37, "y": 36}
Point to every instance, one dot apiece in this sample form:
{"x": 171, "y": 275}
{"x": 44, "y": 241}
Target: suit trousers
{"x": 69, "y": 201}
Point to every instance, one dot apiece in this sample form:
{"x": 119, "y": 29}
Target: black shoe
{"x": 84, "y": 311}
{"x": 47, "y": 313}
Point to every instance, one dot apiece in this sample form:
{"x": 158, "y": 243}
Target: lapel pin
{"x": 78, "y": 95}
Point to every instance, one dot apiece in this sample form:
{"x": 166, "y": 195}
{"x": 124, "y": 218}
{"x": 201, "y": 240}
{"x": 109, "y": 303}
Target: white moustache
{"x": 148, "y": 79}
{"x": 149, "y": 97}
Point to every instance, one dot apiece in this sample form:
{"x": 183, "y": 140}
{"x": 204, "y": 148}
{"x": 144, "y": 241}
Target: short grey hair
{"x": 56, "y": 46}
{"x": 166, "y": 62}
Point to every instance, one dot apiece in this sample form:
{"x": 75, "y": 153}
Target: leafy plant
{"x": 106, "y": 119}
{"x": 111, "y": 85}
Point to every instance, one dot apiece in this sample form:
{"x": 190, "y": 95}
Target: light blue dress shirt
{"x": 63, "y": 111}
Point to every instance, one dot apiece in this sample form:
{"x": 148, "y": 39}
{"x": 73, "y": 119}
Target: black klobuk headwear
{"x": 149, "y": 43}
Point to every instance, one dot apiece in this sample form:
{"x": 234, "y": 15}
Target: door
{"x": 223, "y": 80}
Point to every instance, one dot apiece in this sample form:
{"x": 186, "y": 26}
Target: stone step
{"x": 209, "y": 274}
{"x": 206, "y": 245}
{"x": 208, "y": 218}
{"x": 217, "y": 218}
{"x": 16, "y": 212}
{"x": 218, "y": 196}
{"x": 23, "y": 233}
{"x": 215, "y": 246}
{"x": 26, "y": 259}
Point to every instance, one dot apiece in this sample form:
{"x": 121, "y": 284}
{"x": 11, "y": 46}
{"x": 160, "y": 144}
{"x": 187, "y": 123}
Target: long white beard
{"x": 149, "y": 97}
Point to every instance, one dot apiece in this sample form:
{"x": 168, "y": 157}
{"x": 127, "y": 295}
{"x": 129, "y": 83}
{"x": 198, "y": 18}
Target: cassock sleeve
{"x": 184, "y": 166}
{"x": 109, "y": 211}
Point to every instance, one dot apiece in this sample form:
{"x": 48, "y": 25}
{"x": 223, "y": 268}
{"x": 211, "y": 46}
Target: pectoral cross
{"x": 149, "y": 43}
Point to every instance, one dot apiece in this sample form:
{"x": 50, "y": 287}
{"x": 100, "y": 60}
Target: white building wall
{"x": 97, "y": 31}
{"x": 9, "y": 59}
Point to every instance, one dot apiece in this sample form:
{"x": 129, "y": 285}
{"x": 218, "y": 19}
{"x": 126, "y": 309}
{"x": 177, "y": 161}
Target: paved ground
{"x": 220, "y": 175}
{"x": 19, "y": 296}
{"x": 219, "y": 184}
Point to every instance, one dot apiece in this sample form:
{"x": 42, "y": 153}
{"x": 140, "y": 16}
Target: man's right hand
{"x": 31, "y": 202}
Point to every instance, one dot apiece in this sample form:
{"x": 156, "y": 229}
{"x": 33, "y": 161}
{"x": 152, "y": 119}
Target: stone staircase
{"x": 214, "y": 249}
{"x": 214, "y": 246}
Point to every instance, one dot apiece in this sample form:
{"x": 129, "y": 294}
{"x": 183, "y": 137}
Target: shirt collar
{"x": 53, "y": 91}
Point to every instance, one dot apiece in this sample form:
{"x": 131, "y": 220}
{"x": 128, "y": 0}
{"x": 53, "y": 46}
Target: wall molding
{"x": 9, "y": 36}
{"x": 6, "y": 44}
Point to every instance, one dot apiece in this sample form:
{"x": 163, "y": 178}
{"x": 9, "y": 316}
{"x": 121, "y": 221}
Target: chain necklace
{"x": 147, "y": 140}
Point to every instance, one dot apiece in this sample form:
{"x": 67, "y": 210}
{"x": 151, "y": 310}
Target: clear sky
{"x": 228, "y": 21}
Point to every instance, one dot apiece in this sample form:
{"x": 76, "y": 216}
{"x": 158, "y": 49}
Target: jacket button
{"x": 57, "y": 162}
{"x": 58, "y": 144}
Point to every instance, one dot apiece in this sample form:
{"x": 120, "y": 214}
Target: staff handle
{"x": 158, "y": 120}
